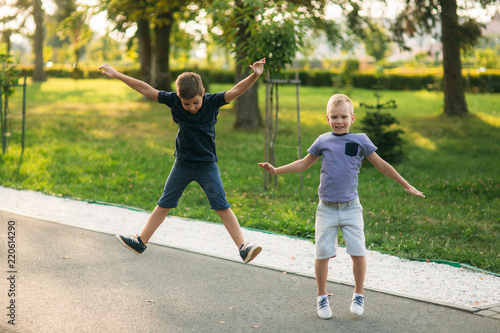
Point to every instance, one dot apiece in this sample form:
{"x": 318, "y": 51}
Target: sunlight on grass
{"x": 420, "y": 140}
{"x": 489, "y": 119}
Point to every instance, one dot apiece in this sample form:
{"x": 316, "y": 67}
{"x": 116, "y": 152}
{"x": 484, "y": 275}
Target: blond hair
{"x": 189, "y": 85}
{"x": 340, "y": 99}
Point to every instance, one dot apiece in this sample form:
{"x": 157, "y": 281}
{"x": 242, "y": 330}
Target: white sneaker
{"x": 323, "y": 308}
{"x": 358, "y": 305}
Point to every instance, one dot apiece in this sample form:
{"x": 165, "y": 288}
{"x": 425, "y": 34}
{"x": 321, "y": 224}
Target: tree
{"x": 253, "y": 29}
{"x": 161, "y": 76}
{"x": 6, "y": 30}
{"x": 38, "y": 37}
{"x": 377, "y": 42}
{"x": 73, "y": 29}
{"x": 156, "y": 21}
{"x": 26, "y": 8}
{"x": 126, "y": 12}
{"x": 422, "y": 16}
{"x": 104, "y": 49}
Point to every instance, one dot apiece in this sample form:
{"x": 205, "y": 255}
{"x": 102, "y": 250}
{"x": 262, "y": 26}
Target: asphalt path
{"x": 73, "y": 280}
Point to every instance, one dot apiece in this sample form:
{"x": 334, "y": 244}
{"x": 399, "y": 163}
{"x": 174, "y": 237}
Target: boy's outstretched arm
{"x": 296, "y": 166}
{"x": 245, "y": 84}
{"x": 140, "y": 86}
{"x": 390, "y": 172}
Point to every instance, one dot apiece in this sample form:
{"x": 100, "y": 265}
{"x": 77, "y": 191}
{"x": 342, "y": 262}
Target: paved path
{"x": 74, "y": 280}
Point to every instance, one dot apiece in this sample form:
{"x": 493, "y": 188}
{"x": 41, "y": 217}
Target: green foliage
{"x": 8, "y": 80}
{"x": 253, "y": 29}
{"x": 488, "y": 58}
{"x": 388, "y": 140}
{"x": 70, "y": 27}
{"x": 377, "y": 42}
{"x": 9, "y": 75}
{"x": 350, "y": 67}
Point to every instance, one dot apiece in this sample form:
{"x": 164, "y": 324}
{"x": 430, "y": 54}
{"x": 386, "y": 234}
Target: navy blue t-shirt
{"x": 195, "y": 141}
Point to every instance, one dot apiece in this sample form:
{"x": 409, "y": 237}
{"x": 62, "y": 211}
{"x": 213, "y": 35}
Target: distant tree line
{"x": 249, "y": 30}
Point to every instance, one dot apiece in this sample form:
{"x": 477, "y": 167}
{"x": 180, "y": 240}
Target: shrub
{"x": 378, "y": 128}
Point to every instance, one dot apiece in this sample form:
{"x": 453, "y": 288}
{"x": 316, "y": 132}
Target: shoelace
{"x": 244, "y": 247}
{"x": 358, "y": 300}
{"x": 324, "y": 302}
{"x": 135, "y": 239}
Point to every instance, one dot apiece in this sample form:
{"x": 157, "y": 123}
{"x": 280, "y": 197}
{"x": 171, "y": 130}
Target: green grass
{"x": 96, "y": 140}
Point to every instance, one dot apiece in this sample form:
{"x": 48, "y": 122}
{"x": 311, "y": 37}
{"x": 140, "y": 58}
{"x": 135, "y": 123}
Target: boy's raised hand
{"x": 414, "y": 191}
{"x": 258, "y": 66}
{"x": 268, "y": 167}
{"x": 108, "y": 71}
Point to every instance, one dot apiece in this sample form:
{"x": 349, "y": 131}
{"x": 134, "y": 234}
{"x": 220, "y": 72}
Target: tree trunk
{"x": 454, "y": 96}
{"x": 161, "y": 69}
{"x": 247, "y": 105}
{"x": 6, "y": 39}
{"x": 144, "y": 37}
{"x": 38, "y": 72}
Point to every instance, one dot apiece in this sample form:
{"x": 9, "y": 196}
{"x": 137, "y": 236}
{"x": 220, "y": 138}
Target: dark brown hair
{"x": 189, "y": 85}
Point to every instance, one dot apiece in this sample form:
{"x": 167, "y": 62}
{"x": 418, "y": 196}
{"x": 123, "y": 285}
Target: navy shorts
{"x": 205, "y": 174}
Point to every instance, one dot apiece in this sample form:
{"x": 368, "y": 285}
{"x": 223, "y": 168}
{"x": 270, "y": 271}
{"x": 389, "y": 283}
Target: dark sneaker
{"x": 248, "y": 253}
{"x": 358, "y": 305}
{"x": 133, "y": 243}
{"x": 323, "y": 308}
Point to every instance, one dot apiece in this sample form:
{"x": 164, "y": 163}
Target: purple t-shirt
{"x": 340, "y": 164}
{"x": 195, "y": 141}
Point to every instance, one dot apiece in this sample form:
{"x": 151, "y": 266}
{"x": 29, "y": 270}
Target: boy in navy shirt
{"x": 195, "y": 113}
{"x": 339, "y": 206}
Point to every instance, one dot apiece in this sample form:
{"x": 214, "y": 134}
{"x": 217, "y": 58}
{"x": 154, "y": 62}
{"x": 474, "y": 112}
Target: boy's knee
{"x": 224, "y": 211}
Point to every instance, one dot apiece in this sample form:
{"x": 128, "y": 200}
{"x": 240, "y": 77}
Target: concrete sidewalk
{"x": 74, "y": 280}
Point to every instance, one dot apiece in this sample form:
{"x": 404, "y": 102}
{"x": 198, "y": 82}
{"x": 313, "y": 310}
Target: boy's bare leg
{"x": 321, "y": 270}
{"x": 232, "y": 226}
{"x": 359, "y": 271}
{"x": 157, "y": 217}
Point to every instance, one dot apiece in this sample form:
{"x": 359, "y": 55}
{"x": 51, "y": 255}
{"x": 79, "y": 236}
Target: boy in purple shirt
{"x": 195, "y": 113}
{"x": 339, "y": 206}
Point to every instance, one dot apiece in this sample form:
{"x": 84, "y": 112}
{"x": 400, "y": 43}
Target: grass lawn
{"x": 97, "y": 140}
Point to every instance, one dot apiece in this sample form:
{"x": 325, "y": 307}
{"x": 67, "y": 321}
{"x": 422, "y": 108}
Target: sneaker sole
{"x": 325, "y": 317}
{"x": 254, "y": 252}
{"x": 358, "y": 313}
{"x": 120, "y": 240}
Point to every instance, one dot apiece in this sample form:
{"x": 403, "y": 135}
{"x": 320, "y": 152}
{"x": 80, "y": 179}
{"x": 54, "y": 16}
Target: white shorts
{"x": 348, "y": 216}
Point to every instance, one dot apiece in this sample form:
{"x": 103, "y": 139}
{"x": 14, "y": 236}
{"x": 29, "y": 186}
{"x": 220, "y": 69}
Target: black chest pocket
{"x": 351, "y": 149}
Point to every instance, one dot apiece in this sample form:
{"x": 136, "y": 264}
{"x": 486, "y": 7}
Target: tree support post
{"x": 271, "y": 128}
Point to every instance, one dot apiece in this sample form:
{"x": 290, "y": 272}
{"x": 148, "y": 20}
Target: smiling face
{"x": 340, "y": 119}
{"x": 192, "y": 105}
{"x": 339, "y": 114}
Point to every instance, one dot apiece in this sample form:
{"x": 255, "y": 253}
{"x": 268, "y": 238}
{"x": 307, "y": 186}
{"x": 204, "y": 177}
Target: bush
{"x": 388, "y": 141}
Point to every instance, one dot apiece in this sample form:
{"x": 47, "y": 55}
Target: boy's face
{"x": 340, "y": 118}
{"x": 192, "y": 105}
